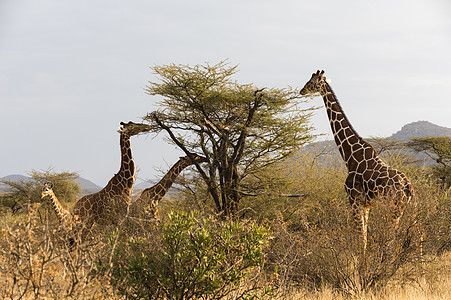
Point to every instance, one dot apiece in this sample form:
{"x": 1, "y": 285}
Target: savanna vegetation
{"x": 265, "y": 218}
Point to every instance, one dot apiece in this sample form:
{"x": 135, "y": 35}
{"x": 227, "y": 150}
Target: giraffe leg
{"x": 420, "y": 237}
{"x": 360, "y": 215}
{"x": 154, "y": 211}
{"x": 364, "y": 213}
{"x": 398, "y": 212}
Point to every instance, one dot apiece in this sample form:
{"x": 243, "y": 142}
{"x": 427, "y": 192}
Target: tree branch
{"x": 208, "y": 180}
{"x": 238, "y": 151}
{"x": 271, "y": 194}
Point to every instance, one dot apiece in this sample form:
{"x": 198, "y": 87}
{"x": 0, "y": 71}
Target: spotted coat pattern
{"x": 109, "y": 205}
{"x": 369, "y": 178}
{"x": 63, "y": 215}
{"x": 150, "y": 198}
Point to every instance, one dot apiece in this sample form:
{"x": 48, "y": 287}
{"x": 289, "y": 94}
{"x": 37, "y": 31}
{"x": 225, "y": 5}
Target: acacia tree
{"x": 439, "y": 149}
{"x": 22, "y": 191}
{"x": 237, "y": 127}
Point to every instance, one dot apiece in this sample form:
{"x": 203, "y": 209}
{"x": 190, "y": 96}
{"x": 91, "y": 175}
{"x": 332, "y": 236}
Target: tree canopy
{"x": 239, "y": 128}
{"x": 23, "y": 191}
{"x": 439, "y": 149}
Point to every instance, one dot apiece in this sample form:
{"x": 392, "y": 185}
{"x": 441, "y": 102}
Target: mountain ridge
{"x": 87, "y": 186}
{"x": 420, "y": 129}
{"x": 414, "y": 129}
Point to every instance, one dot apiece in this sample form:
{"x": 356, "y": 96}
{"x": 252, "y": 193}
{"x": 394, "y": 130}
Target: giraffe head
{"x": 47, "y": 189}
{"x": 131, "y": 129}
{"x": 315, "y": 84}
{"x": 197, "y": 158}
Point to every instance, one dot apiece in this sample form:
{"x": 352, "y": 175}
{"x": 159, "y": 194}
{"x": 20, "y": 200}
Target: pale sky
{"x": 70, "y": 71}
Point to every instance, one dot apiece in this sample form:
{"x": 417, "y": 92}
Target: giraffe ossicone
{"x": 369, "y": 178}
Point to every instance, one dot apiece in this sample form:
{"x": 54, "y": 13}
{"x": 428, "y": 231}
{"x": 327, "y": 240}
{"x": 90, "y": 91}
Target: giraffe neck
{"x": 62, "y": 213}
{"x": 122, "y": 182}
{"x": 348, "y": 141}
{"x": 159, "y": 190}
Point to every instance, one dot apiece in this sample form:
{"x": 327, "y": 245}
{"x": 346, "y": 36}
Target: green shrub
{"x": 190, "y": 257}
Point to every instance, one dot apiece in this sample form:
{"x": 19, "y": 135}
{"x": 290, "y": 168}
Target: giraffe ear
{"x": 328, "y": 80}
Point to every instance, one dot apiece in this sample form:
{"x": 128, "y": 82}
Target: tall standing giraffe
{"x": 110, "y": 204}
{"x": 152, "y": 196}
{"x": 63, "y": 215}
{"x": 369, "y": 178}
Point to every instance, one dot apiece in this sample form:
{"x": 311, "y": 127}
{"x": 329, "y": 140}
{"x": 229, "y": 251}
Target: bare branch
{"x": 271, "y": 194}
{"x": 207, "y": 180}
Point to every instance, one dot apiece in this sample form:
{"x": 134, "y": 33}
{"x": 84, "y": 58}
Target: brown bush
{"x": 37, "y": 262}
{"x": 328, "y": 254}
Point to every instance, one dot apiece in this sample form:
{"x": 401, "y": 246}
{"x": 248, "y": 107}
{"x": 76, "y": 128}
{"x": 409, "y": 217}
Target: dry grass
{"x": 438, "y": 286}
{"x": 328, "y": 253}
{"x": 34, "y": 264}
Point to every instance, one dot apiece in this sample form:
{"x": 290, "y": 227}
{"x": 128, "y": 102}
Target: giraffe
{"x": 151, "y": 197}
{"x": 63, "y": 215}
{"x": 108, "y": 205}
{"x": 369, "y": 178}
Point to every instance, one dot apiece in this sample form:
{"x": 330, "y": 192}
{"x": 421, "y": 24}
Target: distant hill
{"x": 87, "y": 187}
{"x": 16, "y": 177}
{"x": 13, "y": 178}
{"x": 143, "y": 185}
{"x": 415, "y": 129}
{"x": 172, "y": 193}
{"x": 420, "y": 129}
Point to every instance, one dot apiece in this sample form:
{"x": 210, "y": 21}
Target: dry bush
{"x": 438, "y": 272}
{"x": 316, "y": 174}
{"x": 436, "y": 224}
{"x": 328, "y": 254}
{"x": 36, "y": 262}
{"x": 435, "y": 207}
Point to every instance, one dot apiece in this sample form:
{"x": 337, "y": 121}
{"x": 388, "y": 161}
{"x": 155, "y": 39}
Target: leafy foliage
{"x": 24, "y": 191}
{"x": 190, "y": 257}
{"x": 238, "y": 127}
{"x": 439, "y": 149}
